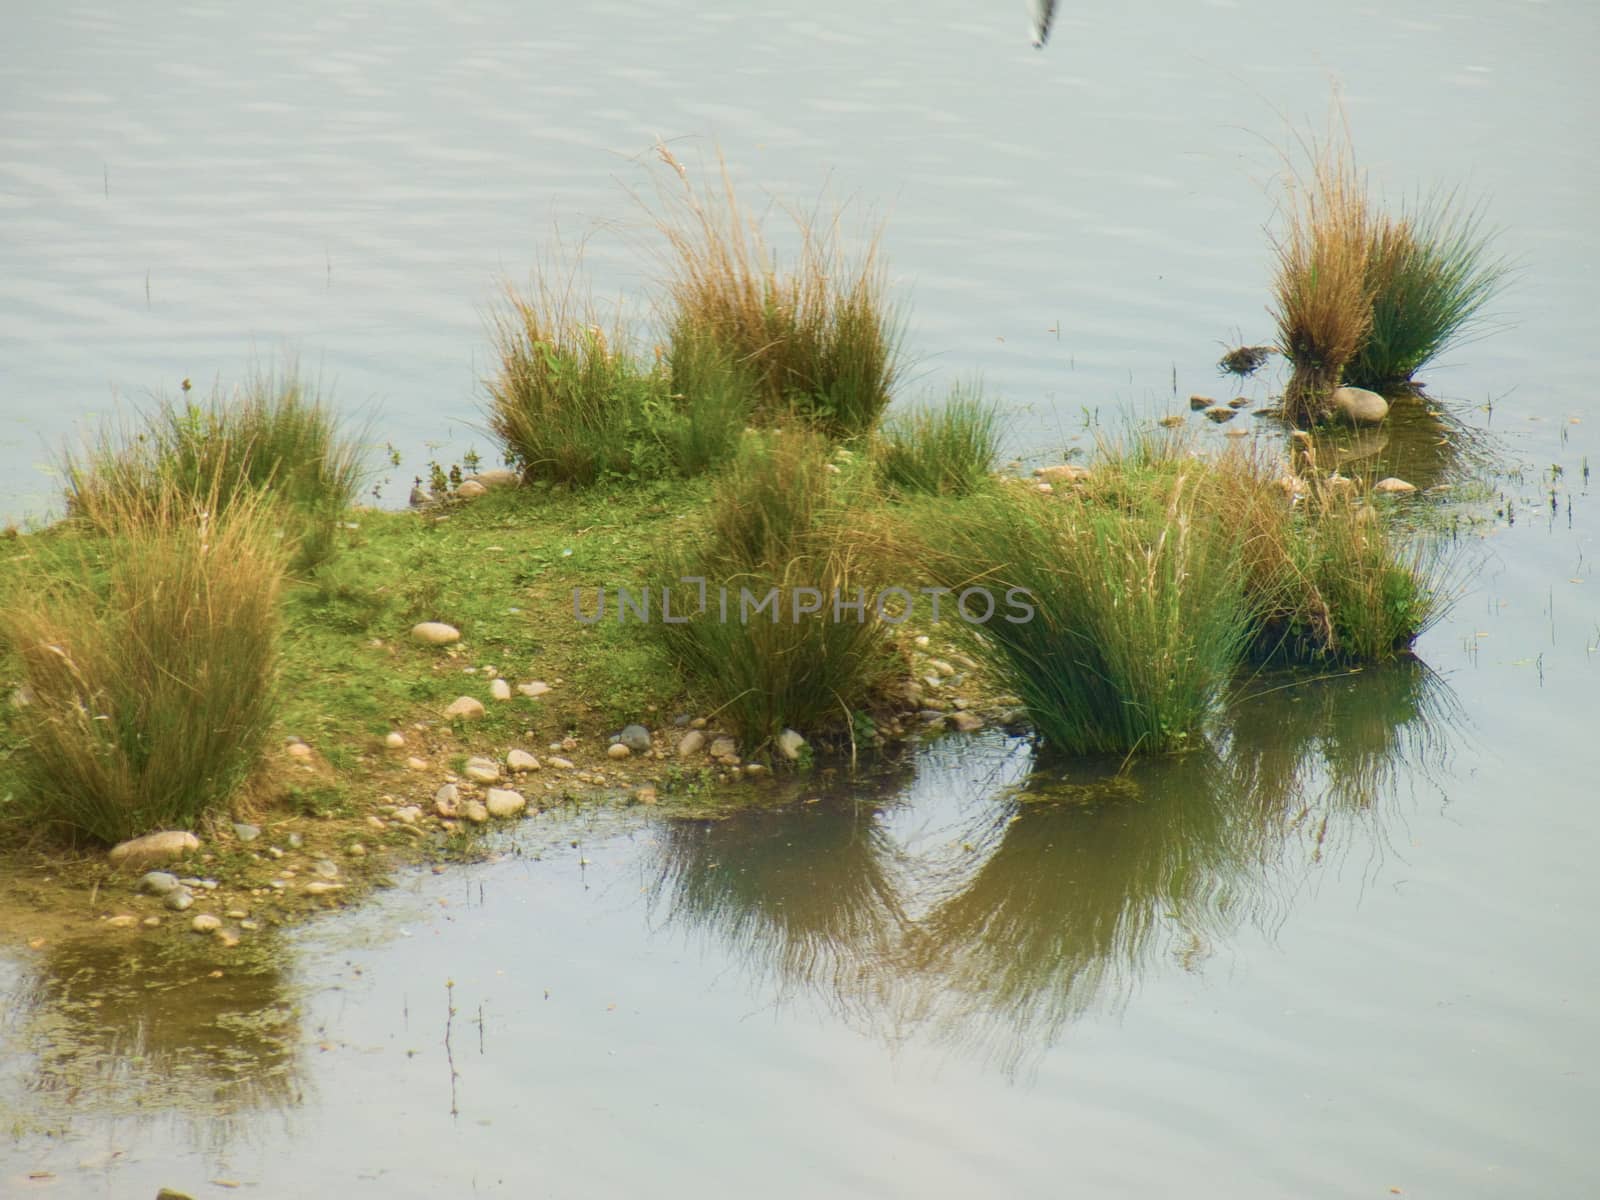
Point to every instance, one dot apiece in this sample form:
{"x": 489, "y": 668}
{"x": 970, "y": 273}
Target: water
{"x": 1348, "y": 951}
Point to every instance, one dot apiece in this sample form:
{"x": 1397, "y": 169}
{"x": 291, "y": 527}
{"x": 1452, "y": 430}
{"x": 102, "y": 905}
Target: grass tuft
{"x": 569, "y": 401}
{"x": 818, "y": 336}
{"x": 1139, "y": 590}
{"x": 275, "y": 437}
{"x": 1431, "y": 274}
{"x": 948, "y": 451}
{"x": 777, "y": 525}
{"x": 150, "y": 659}
{"x": 1321, "y": 283}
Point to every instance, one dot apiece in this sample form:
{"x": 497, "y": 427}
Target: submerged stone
{"x": 1359, "y": 406}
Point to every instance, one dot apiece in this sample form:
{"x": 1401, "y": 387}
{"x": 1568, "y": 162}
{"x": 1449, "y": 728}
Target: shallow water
{"x": 1345, "y": 951}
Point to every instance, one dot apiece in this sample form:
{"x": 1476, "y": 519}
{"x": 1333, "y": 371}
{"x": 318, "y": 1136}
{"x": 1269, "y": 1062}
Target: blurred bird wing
{"x": 1043, "y": 14}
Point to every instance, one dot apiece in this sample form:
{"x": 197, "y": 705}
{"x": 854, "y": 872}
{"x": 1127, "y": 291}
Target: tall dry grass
{"x": 150, "y": 658}
{"x": 818, "y": 334}
{"x": 1322, "y": 286}
{"x": 275, "y": 436}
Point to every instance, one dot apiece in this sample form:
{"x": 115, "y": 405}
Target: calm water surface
{"x": 1347, "y": 949}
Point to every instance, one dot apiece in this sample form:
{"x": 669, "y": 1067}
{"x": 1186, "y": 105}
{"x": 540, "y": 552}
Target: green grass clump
{"x": 1355, "y": 589}
{"x": 150, "y": 660}
{"x": 274, "y": 437}
{"x": 778, "y": 521}
{"x": 699, "y": 426}
{"x": 947, "y": 451}
{"x": 569, "y": 400}
{"x": 1431, "y": 274}
{"x": 819, "y": 337}
{"x": 1138, "y": 586}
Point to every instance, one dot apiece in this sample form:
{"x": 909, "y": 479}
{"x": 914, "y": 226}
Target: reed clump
{"x": 1138, "y": 588}
{"x": 1366, "y": 298}
{"x": 570, "y": 400}
{"x": 274, "y": 437}
{"x": 817, "y": 333}
{"x": 1432, "y": 273}
{"x": 769, "y": 649}
{"x": 945, "y": 451}
{"x": 149, "y": 659}
{"x": 1322, "y": 287}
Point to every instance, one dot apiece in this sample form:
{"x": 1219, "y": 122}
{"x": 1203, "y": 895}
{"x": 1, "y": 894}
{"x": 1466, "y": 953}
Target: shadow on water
{"x": 138, "y": 1029}
{"x": 1003, "y": 896}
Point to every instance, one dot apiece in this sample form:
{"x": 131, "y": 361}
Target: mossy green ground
{"x": 502, "y": 570}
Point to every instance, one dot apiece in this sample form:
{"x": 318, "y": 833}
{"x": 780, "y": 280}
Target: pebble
{"x": 561, "y": 764}
{"x": 394, "y": 740}
{"x": 1359, "y": 406}
{"x": 122, "y": 921}
{"x": 635, "y": 738}
{"x": 533, "y": 690}
{"x": 465, "y": 707}
{"x": 249, "y": 926}
{"x": 205, "y": 923}
{"x": 356, "y": 850}
{"x": 698, "y": 723}
{"x": 939, "y": 665}
{"x": 921, "y": 641}
{"x": 1171, "y": 420}
{"x": 410, "y": 814}
{"x": 295, "y": 841}
{"x": 471, "y": 489}
{"x": 228, "y": 938}
{"x": 157, "y": 883}
{"x": 755, "y": 770}
{"x": 503, "y": 802}
{"x": 274, "y": 852}
{"x": 519, "y": 761}
{"x": 1061, "y": 473}
{"x": 475, "y": 812}
{"x": 1394, "y": 487}
{"x": 966, "y": 722}
{"x": 435, "y": 633}
{"x": 325, "y": 868}
{"x": 645, "y": 795}
{"x": 317, "y": 887}
{"x": 1239, "y": 402}
{"x": 724, "y": 747}
{"x": 153, "y": 848}
{"x": 482, "y": 770}
{"x": 791, "y": 744}
{"x": 569, "y": 743}
{"x": 691, "y": 743}
{"x": 151, "y": 922}
{"x": 414, "y": 763}
{"x": 179, "y": 899}
{"x": 246, "y": 833}
{"x": 375, "y": 822}
{"x": 499, "y": 689}
{"x": 237, "y": 914}
{"x": 447, "y": 800}
{"x": 1199, "y": 402}
{"x": 1220, "y": 413}
{"x": 617, "y": 750}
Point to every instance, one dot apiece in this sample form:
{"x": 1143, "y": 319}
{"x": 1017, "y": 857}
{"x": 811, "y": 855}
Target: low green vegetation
{"x": 274, "y": 435}
{"x": 148, "y": 665}
{"x": 945, "y": 451}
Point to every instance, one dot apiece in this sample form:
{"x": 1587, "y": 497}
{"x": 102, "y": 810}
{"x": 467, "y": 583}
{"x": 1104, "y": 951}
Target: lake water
{"x": 1349, "y": 951}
